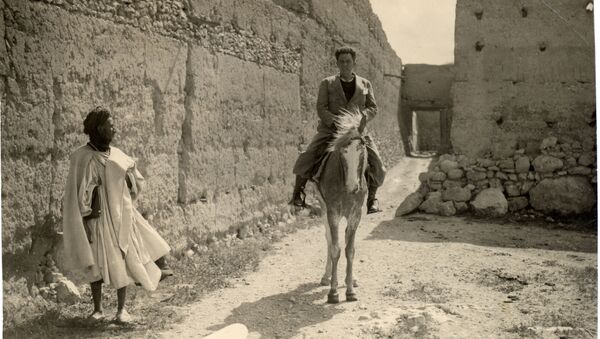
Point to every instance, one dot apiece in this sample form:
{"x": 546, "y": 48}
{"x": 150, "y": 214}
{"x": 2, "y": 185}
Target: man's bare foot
{"x": 123, "y": 317}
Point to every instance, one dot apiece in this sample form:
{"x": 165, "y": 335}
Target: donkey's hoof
{"x": 351, "y": 297}
{"x": 324, "y": 281}
{"x": 333, "y": 298}
{"x": 355, "y": 283}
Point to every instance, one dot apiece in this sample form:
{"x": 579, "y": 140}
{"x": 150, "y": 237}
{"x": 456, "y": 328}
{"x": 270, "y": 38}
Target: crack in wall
{"x": 186, "y": 143}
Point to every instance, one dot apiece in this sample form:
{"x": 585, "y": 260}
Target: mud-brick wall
{"x": 213, "y": 98}
{"x": 524, "y": 70}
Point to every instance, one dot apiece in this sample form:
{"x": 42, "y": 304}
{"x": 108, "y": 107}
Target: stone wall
{"x": 214, "y": 99}
{"x": 524, "y": 70}
{"x": 560, "y": 180}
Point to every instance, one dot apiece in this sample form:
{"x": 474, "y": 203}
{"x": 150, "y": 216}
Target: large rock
{"x": 490, "y": 202}
{"x": 447, "y": 209}
{"x": 456, "y": 194}
{"x": 564, "y": 195}
{"x": 432, "y": 203}
{"x": 448, "y": 165}
{"x": 67, "y": 292}
{"x": 547, "y": 164}
{"x": 409, "y": 204}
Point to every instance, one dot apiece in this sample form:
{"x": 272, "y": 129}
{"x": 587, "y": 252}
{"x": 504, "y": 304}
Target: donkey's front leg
{"x": 334, "y": 250}
{"x": 350, "y": 235}
{"x": 327, "y": 274}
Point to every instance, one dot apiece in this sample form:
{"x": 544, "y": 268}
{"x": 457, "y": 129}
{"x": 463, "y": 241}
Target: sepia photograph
{"x": 335, "y": 169}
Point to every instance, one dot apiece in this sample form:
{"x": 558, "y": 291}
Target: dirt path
{"x": 419, "y": 276}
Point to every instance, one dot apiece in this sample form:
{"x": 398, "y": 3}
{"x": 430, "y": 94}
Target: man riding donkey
{"x": 346, "y": 91}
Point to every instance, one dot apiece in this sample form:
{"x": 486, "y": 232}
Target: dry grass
{"x": 153, "y": 311}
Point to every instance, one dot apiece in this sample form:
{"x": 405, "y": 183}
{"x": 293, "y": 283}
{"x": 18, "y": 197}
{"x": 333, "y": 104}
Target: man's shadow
{"x": 282, "y": 315}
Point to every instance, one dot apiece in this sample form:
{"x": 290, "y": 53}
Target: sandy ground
{"x": 419, "y": 276}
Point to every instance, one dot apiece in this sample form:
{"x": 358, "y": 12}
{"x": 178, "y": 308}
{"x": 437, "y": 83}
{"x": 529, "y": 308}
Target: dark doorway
{"x": 430, "y": 131}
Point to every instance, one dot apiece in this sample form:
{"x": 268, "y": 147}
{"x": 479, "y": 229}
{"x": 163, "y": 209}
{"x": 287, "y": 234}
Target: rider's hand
{"x": 363, "y": 123}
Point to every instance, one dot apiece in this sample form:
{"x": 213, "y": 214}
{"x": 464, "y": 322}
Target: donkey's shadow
{"x": 282, "y": 315}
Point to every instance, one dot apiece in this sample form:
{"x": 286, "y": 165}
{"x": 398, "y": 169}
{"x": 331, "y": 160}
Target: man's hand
{"x": 363, "y": 123}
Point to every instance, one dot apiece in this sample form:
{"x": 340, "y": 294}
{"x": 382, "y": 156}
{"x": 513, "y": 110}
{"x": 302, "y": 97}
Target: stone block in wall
{"x": 565, "y": 195}
{"x": 527, "y": 186}
{"x": 546, "y": 164}
{"x": 586, "y": 159}
{"x": 490, "y": 174}
{"x": 435, "y": 185}
{"x": 437, "y": 176}
{"x": 512, "y": 189}
{"x": 475, "y": 176}
{"x": 570, "y": 162}
{"x": 461, "y": 207}
{"x": 453, "y": 183}
{"x": 490, "y": 202}
{"x": 548, "y": 142}
{"x": 579, "y": 170}
{"x": 457, "y": 194}
{"x": 496, "y": 183}
{"x": 432, "y": 203}
{"x": 447, "y": 209}
{"x": 522, "y": 164}
{"x": 455, "y": 173}
{"x": 424, "y": 176}
{"x": 517, "y": 203}
{"x": 506, "y": 164}
{"x": 448, "y": 165}
{"x": 483, "y": 162}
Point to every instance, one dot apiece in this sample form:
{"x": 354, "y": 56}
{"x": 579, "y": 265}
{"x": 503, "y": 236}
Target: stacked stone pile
{"x": 559, "y": 177}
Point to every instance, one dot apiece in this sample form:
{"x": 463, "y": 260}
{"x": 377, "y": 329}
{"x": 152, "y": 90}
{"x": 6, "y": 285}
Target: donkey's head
{"x": 349, "y": 143}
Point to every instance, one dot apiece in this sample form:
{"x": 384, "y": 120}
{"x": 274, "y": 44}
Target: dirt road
{"x": 418, "y": 276}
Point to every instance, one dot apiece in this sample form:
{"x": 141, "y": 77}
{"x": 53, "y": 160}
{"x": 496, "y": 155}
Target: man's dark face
{"x": 345, "y": 63}
{"x": 106, "y": 131}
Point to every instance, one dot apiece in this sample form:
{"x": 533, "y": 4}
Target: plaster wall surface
{"x": 213, "y": 98}
{"x": 524, "y": 71}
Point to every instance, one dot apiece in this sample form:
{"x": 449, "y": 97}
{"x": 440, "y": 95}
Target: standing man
{"x": 105, "y": 237}
{"x": 343, "y": 91}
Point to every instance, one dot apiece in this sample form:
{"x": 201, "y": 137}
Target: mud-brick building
{"x": 524, "y": 70}
{"x": 522, "y": 119}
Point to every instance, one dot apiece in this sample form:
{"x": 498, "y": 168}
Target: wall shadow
{"x": 283, "y": 315}
{"x": 504, "y": 233}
